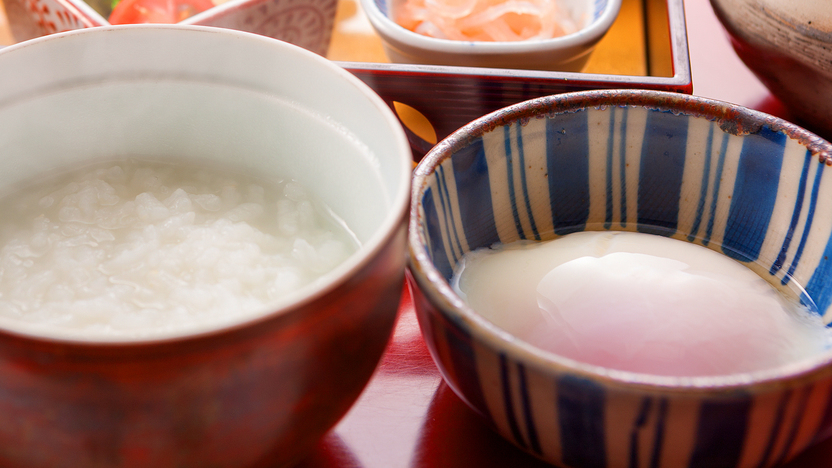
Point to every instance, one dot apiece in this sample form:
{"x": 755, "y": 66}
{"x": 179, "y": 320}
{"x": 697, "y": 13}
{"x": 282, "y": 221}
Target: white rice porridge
{"x": 139, "y": 249}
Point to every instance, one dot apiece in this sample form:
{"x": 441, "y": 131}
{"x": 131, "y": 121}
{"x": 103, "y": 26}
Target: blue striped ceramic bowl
{"x": 565, "y": 53}
{"x": 741, "y": 182}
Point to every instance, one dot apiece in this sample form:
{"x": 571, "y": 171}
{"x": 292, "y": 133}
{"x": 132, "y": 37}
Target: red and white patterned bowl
{"x": 306, "y": 23}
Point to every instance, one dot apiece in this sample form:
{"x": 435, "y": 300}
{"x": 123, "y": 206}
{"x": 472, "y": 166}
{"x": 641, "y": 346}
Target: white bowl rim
{"x": 433, "y": 285}
{"x": 587, "y": 35}
{"x": 330, "y": 281}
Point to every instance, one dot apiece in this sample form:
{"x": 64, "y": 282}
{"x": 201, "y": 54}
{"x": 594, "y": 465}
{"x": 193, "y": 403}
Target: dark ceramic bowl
{"x": 260, "y": 390}
{"x": 745, "y": 184}
{"x": 788, "y": 46}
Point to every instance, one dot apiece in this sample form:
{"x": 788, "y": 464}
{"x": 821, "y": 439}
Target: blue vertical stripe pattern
{"x": 580, "y": 404}
{"x": 824, "y": 430}
{"x": 798, "y": 208}
{"x": 622, "y": 166}
{"x": 471, "y": 172}
{"x": 793, "y": 428}
{"x": 704, "y": 185}
{"x": 755, "y": 192}
{"x": 523, "y": 184}
{"x": 512, "y": 190}
{"x": 528, "y": 414}
{"x": 610, "y": 171}
{"x": 464, "y": 365}
{"x": 508, "y": 402}
{"x": 720, "y": 432}
{"x": 531, "y": 441}
{"x": 819, "y": 288}
{"x": 658, "y": 440}
{"x": 649, "y": 406}
{"x": 810, "y": 216}
{"x": 660, "y": 175}
{"x": 447, "y": 212}
{"x": 640, "y": 423}
{"x": 775, "y": 429}
{"x": 568, "y": 171}
{"x": 720, "y": 167}
{"x": 434, "y": 236}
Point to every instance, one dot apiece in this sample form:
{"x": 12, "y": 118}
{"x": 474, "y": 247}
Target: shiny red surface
{"x": 407, "y": 417}
{"x": 258, "y": 394}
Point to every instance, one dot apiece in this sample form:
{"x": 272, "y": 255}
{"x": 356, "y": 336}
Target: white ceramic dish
{"x": 565, "y": 53}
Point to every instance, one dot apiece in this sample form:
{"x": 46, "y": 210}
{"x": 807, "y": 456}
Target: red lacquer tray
{"x": 648, "y": 37}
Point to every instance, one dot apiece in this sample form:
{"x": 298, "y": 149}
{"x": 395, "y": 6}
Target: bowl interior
{"x": 219, "y": 97}
{"x": 739, "y": 184}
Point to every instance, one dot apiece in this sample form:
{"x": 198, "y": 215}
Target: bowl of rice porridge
{"x": 631, "y": 278}
{"x": 201, "y": 253}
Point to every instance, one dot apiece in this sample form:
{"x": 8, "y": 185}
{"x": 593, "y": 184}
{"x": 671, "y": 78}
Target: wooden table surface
{"x": 407, "y": 417}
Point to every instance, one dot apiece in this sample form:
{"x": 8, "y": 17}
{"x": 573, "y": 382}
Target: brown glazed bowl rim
{"x": 732, "y": 118}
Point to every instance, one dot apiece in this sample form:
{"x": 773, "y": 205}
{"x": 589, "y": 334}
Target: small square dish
{"x": 546, "y": 35}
